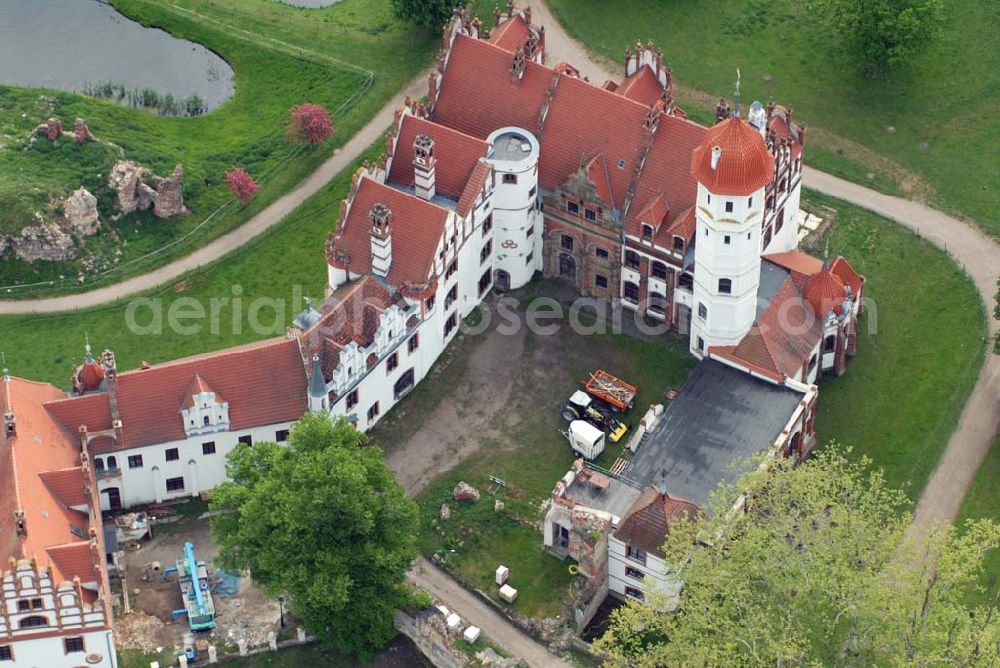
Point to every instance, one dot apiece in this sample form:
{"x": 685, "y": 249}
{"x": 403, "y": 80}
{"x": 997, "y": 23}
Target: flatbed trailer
{"x": 610, "y": 389}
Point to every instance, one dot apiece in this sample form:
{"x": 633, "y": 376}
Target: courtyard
{"x": 490, "y": 410}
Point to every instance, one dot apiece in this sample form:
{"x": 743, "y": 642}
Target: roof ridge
{"x": 275, "y": 341}
{"x": 447, "y": 128}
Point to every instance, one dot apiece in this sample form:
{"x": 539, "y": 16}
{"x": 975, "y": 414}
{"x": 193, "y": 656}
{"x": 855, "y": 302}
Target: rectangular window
{"x": 729, "y": 206}
{"x": 484, "y": 254}
{"x": 488, "y": 223}
{"x": 208, "y": 448}
{"x": 679, "y": 244}
{"x": 6, "y": 653}
{"x": 413, "y": 343}
{"x": 175, "y": 484}
{"x": 530, "y": 258}
{"x": 36, "y": 603}
{"x": 647, "y": 232}
{"x": 600, "y": 281}
{"x": 23, "y": 605}
{"x": 281, "y": 436}
{"x": 531, "y": 231}
{"x": 246, "y": 439}
{"x": 780, "y": 221}
{"x": 73, "y": 644}
{"x": 573, "y": 208}
{"x": 452, "y": 268}
{"x": 484, "y": 281}
{"x": 601, "y": 253}
{"x": 135, "y": 461}
{"x": 391, "y": 363}
{"x": 725, "y": 286}
{"x": 659, "y": 270}
{"x": 450, "y": 324}
{"x": 634, "y": 573}
{"x": 636, "y": 554}
{"x": 702, "y": 311}
{"x": 701, "y": 344}
{"x": 373, "y": 412}
{"x": 429, "y": 304}
{"x": 589, "y": 213}
{"x": 450, "y": 298}
{"x": 632, "y": 592}
{"x": 510, "y": 178}
{"x": 352, "y": 399}
{"x": 727, "y": 239}
{"x": 172, "y": 454}
{"x": 686, "y": 281}
{"x": 566, "y": 242}
{"x": 631, "y": 292}
{"x": 631, "y": 259}
{"x": 531, "y": 193}
{"x": 749, "y": 202}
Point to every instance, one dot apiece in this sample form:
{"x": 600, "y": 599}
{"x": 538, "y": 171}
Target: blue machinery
{"x": 193, "y": 580}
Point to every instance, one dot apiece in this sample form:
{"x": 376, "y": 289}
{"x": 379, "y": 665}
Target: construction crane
{"x": 192, "y": 576}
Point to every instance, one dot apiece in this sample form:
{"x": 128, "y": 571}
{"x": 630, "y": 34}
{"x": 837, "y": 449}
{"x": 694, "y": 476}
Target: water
{"x": 67, "y": 44}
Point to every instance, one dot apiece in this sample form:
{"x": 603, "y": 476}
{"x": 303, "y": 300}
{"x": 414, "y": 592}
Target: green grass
{"x": 942, "y": 100}
{"x": 281, "y": 56}
{"x": 982, "y": 500}
{"x": 920, "y": 347}
{"x": 271, "y": 266}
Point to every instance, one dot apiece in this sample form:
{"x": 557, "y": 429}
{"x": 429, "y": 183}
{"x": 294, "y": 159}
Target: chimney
{"x": 9, "y": 425}
{"x": 716, "y": 155}
{"x": 381, "y": 239}
{"x": 423, "y": 166}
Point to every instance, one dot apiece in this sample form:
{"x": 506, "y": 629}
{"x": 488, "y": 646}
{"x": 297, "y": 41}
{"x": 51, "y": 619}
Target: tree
{"x": 323, "y": 521}
{"x": 427, "y": 13}
{"x": 241, "y": 184}
{"x": 881, "y": 35}
{"x": 818, "y": 570}
{"x": 309, "y": 124}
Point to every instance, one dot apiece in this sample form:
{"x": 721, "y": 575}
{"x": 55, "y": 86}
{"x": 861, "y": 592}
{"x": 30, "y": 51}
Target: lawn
{"x": 920, "y": 347}
{"x": 982, "y": 500}
{"x": 350, "y": 57}
{"x": 943, "y": 140}
{"x": 284, "y": 264}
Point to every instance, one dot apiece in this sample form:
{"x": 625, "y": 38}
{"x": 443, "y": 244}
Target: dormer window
{"x": 647, "y": 232}
{"x": 204, "y": 410}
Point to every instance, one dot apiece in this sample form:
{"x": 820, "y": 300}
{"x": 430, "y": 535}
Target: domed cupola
{"x": 91, "y": 373}
{"x": 825, "y": 292}
{"x": 732, "y": 159}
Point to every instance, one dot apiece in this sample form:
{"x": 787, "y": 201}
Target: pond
{"x": 74, "y": 44}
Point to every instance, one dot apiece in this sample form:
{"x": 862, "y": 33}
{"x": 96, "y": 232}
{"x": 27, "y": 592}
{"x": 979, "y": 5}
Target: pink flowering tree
{"x": 309, "y": 124}
{"x": 241, "y": 184}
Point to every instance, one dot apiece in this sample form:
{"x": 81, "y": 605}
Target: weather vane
{"x": 737, "y": 94}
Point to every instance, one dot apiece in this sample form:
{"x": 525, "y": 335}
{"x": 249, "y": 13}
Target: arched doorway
{"x": 501, "y": 281}
{"x": 111, "y": 499}
{"x": 404, "y": 384}
{"x": 567, "y": 267}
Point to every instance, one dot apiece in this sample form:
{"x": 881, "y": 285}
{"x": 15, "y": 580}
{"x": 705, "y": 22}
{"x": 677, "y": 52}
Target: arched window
{"x": 631, "y": 292}
{"x": 34, "y": 622}
{"x": 98, "y": 464}
{"x": 206, "y": 420}
{"x": 112, "y": 463}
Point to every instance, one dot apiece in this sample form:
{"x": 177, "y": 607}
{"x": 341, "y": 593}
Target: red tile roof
{"x": 745, "y": 165}
{"x": 584, "y": 120}
{"x": 825, "y": 293}
{"x": 66, "y": 485}
{"x": 480, "y": 176}
{"x": 802, "y": 265}
{"x": 91, "y": 410}
{"x": 643, "y": 86}
{"x": 782, "y": 339}
{"x": 667, "y": 168}
{"x": 417, "y": 227}
{"x": 349, "y": 314}
{"x": 478, "y": 96}
{"x": 597, "y": 172}
{"x": 91, "y": 373}
{"x": 263, "y": 382}
{"x": 843, "y": 269}
{"x": 652, "y": 213}
{"x": 648, "y": 521}
{"x": 684, "y": 226}
{"x": 40, "y": 446}
{"x": 510, "y": 34}
{"x": 457, "y": 155}
{"x": 74, "y": 560}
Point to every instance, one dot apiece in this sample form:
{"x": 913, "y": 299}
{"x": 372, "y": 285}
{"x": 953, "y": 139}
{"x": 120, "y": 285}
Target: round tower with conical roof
{"x": 733, "y": 167}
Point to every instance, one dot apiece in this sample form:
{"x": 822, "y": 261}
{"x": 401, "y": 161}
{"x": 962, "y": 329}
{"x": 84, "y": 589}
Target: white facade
{"x": 516, "y": 219}
{"x": 633, "y": 577}
{"x": 727, "y": 268}
{"x": 140, "y": 475}
{"x": 48, "y": 626}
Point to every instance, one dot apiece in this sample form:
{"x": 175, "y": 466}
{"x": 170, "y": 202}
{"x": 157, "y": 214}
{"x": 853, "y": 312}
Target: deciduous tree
{"x": 241, "y": 184}
{"x": 428, "y": 13}
{"x": 309, "y": 124}
{"x": 323, "y": 521}
{"x": 814, "y": 566}
{"x": 880, "y": 35}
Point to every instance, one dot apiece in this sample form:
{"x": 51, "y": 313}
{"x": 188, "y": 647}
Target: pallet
{"x": 619, "y": 466}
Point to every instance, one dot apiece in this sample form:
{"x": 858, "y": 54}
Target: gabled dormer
{"x": 204, "y": 411}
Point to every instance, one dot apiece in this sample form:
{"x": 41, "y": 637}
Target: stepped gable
{"x": 478, "y": 94}
{"x": 745, "y": 164}
{"x": 510, "y": 34}
{"x": 457, "y": 155}
{"x": 417, "y": 227}
{"x": 643, "y": 87}
{"x": 648, "y": 521}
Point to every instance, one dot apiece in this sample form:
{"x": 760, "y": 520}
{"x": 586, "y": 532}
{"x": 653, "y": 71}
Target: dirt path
{"x": 430, "y": 577}
{"x": 973, "y": 250}
{"x": 257, "y": 225}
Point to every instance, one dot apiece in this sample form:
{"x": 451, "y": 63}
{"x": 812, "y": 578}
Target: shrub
{"x": 309, "y": 124}
{"x": 241, "y": 184}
